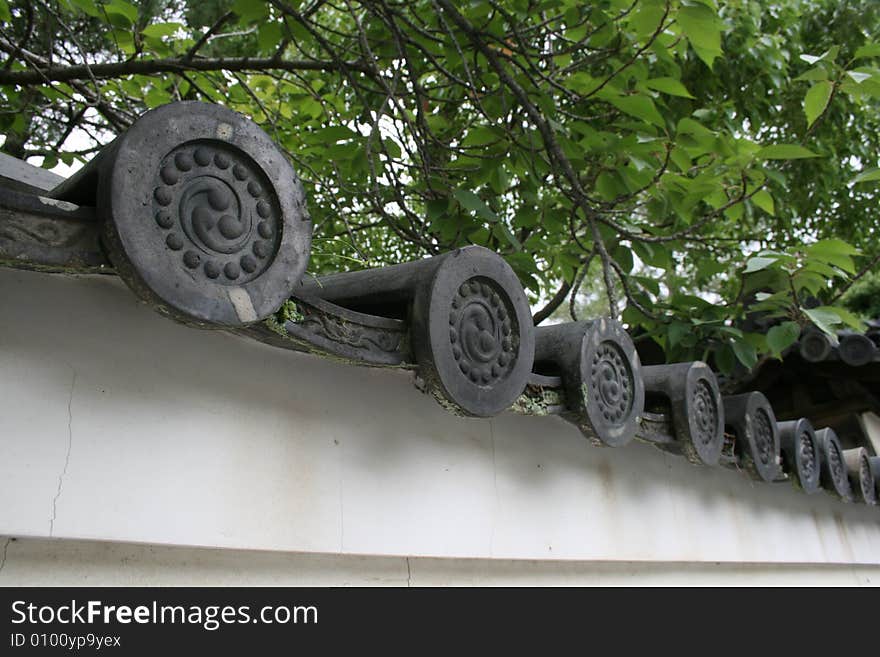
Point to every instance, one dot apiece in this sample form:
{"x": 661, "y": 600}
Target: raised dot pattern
{"x": 611, "y": 382}
{"x": 763, "y": 433}
{"x": 705, "y": 410}
{"x": 483, "y": 332}
{"x": 808, "y": 456}
{"x": 866, "y": 480}
{"x": 215, "y": 207}
{"x": 835, "y": 463}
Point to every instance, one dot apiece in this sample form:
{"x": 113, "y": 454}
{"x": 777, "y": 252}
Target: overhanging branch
{"x": 72, "y": 72}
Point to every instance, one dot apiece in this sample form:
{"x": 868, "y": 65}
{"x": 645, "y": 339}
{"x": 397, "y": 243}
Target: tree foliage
{"x": 675, "y": 163}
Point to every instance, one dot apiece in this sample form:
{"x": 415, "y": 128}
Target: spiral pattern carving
{"x": 215, "y": 207}
{"x": 705, "y": 411}
{"x": 611, "y": 382}
{"x": 763, "y": 428}
{"x": 483, "y": 331}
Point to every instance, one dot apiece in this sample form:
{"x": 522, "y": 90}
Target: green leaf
{"x": 816, "y": 100}
{"x": 392, "y": 148}
{"x": 437, "y": 123}
{"x": 764, "y": 201}
{"x": 811, "y": 59}
{"x": 690, "y": 127}
{"x": 655, "y": 255}
{"x": 87, "y": 7}
{"x": 831, "y": 247}
{"x": 730, "y": 330}
{"x": 819, "y": 267}
{"x": 734, "y": 212}
{"x": 269, "y": 36}
{"x": 581, "y": 82}
{"x": 156, "y": 96}
{"x": 702, "y": 27}
{"x": 785, "y": 152}
{"x": 340, "y": 152}
{"x": 623, "y": 255}
{"x": 651, "y": 285}
{"x": 858, "y": 77}
{"x": 677, "y": 331}
{"x": 640, "y": 107}
{"x": 832, "y": 251}
{"x": 828, "y": 55}
{"x": 122, "y": 8}
{"x": 5, "y": 16}
{"x": 813, "y": 75}
{"x": 251, "y": 10}
{"x": 868, "y": 175}
{"x": 758, "y": 263}
{"x": 745, "y": 353}
{"x": 509, "y": 236}
{"x": 333, "y": 134}
{"x": 811, "y": 281}
{"x": 725, "y": 359}
{"x": 646, "y": 19}
{"x": 868, "y": 50}
{"x": 825, "y": 319}
{"x": 474, "y": 203}
{"x": 480, "y": 136}
{"x": 669, "y": 86}
{"x": 847, "y": 317}
{"x": 782, "y": 336}
{"x": 159, "y": 30}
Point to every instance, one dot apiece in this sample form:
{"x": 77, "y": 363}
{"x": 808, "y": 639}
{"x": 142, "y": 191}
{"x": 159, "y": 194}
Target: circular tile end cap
{"x": 203, "y": 216}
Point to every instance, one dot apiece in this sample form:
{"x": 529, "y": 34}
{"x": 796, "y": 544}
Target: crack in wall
{"x": 5, "y": 550}
{"x": 66, "y": 457}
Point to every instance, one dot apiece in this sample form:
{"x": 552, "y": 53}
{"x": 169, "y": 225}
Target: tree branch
{"x": 554, "y": 150}
{"x": 867, "y": 268}
{"x": 553, "y": 304}
{"x": 220, "y": 22}
{"x": 170, "y": 65}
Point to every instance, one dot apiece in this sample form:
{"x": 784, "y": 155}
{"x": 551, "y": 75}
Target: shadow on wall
{"x": 129, "y": 359}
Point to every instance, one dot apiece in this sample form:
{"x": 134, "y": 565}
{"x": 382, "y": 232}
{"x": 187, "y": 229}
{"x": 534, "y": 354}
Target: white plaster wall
{"x": 53, "y": 562}
{"x": 119, "y": 425}
{"x": 871, "y": 425}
